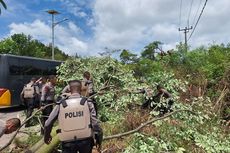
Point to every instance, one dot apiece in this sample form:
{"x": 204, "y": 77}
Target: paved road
{"x": 6, "y": 114}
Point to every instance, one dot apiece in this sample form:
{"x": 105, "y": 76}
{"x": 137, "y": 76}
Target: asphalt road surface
{"x": 5, "y": 114}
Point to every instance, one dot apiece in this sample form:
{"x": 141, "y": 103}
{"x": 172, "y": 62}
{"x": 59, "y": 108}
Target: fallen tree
{"x": 144, "y": 124}
{"x": 55, "y": 141}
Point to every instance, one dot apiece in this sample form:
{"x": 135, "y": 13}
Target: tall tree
{"x": 20, "y": 44}
{"x": 128, "y": 57}
{"x": 149, "y": 50}
{"x": 3, "y": 4}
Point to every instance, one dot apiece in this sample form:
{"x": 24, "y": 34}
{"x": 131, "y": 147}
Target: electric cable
{"x": 194, "y": 19}
{"x": 189, "y": 12}
{"x": 181, "y": 2}
{"x": 198, "y": 19}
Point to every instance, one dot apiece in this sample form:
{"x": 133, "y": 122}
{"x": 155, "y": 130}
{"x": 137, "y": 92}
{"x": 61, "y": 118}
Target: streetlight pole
{"x": 53, "y": 12}
{"x": 52, "y": 36}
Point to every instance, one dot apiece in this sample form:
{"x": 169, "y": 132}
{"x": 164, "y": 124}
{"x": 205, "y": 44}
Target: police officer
{"x": 87, "y": 87}
{"x": 9, "y": 126}
{"x": 148, "y": 98}
{"x": 66, "y": 90}
{"x": 40, "y": 83}
{"x": 163, "y": 108}
{"x": 30, "y": 96}
{"x": 47, "y": 97}
{"x": 87, "y": 84}
{"x": 76, "y": 120}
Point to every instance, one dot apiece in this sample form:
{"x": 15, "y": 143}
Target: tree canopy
{"x": 149, "y": 50}
{"x": 23, "y": 45}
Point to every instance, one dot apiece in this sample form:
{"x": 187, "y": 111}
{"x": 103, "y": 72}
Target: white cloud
{"x": 74, "y": 29}
{"x": 133, "y": 24}
{"x": 127, "y": 24}
{"x": 65, "y": 37}
{"x": 77, "y": 7}
{"x": 37, "y": 29}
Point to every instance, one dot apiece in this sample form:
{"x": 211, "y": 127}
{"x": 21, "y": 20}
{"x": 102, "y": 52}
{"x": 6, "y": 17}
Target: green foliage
{"x": 183, "y": 132}
{"x": 143, "y": 144}
{"x": 20, "y": 44}
{"x": 149, "y": 50}
{"x": 187, "y": 133}
{"x": 27, "y": 141}
{"x": 128, "y": 57}
{"x": 146, "y": 67}
{"x": 106, "y": 72}
{"x": 200, "y": 63}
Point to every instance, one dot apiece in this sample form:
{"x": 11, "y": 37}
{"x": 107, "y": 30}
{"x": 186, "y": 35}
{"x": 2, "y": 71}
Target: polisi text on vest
{"x": 74, "y": 114}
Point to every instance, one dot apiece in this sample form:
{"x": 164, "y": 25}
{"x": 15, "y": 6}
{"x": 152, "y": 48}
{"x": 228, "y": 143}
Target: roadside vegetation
{"x": 199, "y": 81}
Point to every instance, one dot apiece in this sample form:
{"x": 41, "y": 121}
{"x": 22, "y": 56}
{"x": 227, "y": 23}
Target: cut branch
{"x": 144, "y": 124}
{"x": 18, "y": 130}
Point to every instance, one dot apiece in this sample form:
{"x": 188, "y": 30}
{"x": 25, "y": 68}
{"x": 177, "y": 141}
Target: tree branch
{"x": 144, "y": 124}
{"x": 18, "y": 130}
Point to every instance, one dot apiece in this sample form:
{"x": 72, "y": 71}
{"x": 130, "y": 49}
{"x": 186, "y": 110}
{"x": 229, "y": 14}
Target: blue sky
{"x": 116, "y": 24}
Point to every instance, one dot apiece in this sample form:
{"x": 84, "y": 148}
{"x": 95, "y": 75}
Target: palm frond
{"x": 3, "y": 4}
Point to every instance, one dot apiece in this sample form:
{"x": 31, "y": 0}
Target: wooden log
{"x": 41, "y": 147}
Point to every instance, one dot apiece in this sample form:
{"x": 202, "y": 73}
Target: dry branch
{"x": 18, "y": 130}
{"x": 219, "y": 102}
{"x": 144, "y": 124}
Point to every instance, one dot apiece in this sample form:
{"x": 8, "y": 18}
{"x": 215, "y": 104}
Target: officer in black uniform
{"x": 155, "y": 100}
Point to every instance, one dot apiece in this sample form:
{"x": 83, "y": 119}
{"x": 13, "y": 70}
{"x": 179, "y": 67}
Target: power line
{"x": 198, "y": 19}
{"x": 189, "y": 12}
{"x": 181, "y": 1}
{"x": 193, "y": 22}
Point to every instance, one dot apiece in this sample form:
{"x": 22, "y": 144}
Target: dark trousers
{"x": 45, "y": 113}
{"x": 82, "y": 146}
{"x": 94, "y": 102}
{"x": 149, "y": 102}
{"x": 29, "y": 103}
{"x": 95, "y": 107}
{"x": 163, "y": 108}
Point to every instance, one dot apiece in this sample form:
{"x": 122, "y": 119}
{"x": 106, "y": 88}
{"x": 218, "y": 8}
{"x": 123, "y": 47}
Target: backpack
{"x": 74, "y": 120}
{"x": 29, "y": 91}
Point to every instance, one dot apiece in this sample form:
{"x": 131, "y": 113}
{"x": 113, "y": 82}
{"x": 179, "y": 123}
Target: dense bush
{"x": 183, "y": 132}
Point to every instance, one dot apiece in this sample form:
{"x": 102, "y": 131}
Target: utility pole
{"x": 52, "y": 12}
{"x": 186, "y": 30}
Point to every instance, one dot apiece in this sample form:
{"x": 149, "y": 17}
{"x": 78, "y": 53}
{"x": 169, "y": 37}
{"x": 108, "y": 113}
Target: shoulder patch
{"x": 83, "y": 100}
